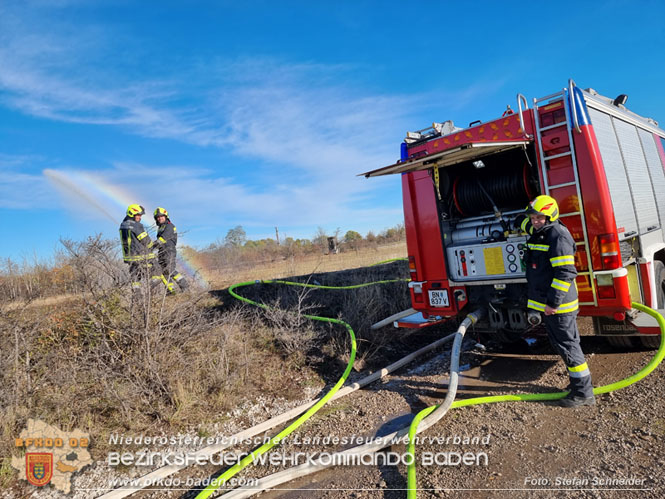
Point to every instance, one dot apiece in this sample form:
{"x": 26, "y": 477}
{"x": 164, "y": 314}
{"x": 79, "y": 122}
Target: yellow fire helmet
{"x": 544, "y": 205}
{"x": 161, "y": 212}
{"x": 135, "y": 209}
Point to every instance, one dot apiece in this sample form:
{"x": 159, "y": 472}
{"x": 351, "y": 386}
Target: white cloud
{"x": 308, "y": 131}
{"x": 204, "y": 204}
{"x": 296, "y": 113}
{"x": 20, "y": 190}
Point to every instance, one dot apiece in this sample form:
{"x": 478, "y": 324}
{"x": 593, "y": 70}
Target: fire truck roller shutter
{"x": 648, "y": 141}
{"x": 638, "y": 174}
{"x": 508, "y": 186}
{"x": 634, "y": 177}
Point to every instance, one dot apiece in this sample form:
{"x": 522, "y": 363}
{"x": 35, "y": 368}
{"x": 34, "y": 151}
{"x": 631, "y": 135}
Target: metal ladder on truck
{"x": 568, "y": 106}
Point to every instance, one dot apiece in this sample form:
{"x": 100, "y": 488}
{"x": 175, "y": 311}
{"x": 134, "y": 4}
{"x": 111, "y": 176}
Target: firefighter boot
{"x": 571, "y": 400}
{"x": 181, "y": 281}
{"x": 581, "y": 393}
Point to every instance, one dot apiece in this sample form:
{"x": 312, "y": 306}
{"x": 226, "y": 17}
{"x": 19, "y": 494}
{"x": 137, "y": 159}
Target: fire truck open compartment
{"x": 463, "y": 188}
{"x": 478, "y": 201}
{"x": 505, "y": 180}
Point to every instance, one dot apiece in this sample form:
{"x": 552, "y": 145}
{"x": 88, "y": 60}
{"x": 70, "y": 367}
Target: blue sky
{"x": 261, "y": 113}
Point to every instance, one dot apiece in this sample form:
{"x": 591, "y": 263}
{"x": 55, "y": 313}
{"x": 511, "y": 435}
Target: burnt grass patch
{"x": 360, "y": 307}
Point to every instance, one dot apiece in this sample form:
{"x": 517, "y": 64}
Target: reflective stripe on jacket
{"x": 550, "y": 269}
{"x": 135, "y": 241}
{"x": 167, "y": 238}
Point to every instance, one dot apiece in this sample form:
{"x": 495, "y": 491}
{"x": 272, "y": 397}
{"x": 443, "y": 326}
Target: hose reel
{"x": 509, "y": 187}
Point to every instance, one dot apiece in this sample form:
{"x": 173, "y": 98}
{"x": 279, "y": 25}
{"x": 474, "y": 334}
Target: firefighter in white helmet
{"x": 167, "y": 238}
{"x": 551, "y": 273}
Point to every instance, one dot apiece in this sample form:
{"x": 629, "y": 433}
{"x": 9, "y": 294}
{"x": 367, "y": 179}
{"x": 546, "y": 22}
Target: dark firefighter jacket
{"x": 167, "y": 238}
{"x": 136, "y": 242}
{"x": 550, "y": 268}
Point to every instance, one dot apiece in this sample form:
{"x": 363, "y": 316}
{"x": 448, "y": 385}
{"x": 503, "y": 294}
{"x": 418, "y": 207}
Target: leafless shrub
{"x": 359, "y": 306}
{"x": 292, "y": 332}
{"x": 362, "y": 306}
{"x": 96, "y": 263}
{"x": 111, "y": 357}
{"x": 28, "y": 281}
{"x": 106, "y": 357}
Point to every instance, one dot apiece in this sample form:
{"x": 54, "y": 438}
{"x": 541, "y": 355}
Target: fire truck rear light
{"x": 610, "y": 262}
{"x": 412, "y": 268}
{"x": 606, "y": 292}
{"x": 609, "y": 251}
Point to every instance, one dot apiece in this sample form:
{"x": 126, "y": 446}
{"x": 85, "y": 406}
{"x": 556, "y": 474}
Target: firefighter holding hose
{"x": 551, "y": 273}
{"x": 136, "y": 247}
{"x": 167, "y": 238}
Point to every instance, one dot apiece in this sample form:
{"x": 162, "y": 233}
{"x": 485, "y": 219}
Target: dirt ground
{"x": 517, "y": 449}
{"x": 532, "y": 449}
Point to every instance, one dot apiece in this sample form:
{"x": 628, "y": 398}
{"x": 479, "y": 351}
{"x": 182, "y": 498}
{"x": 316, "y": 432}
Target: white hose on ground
{"x": 377, "y": 444}
{"x": 165, "y": 471}
{"x": 441, "y": 411}
{"x": 394, "y": 317}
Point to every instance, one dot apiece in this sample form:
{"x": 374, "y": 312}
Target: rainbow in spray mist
{"x": 111, "y": 200}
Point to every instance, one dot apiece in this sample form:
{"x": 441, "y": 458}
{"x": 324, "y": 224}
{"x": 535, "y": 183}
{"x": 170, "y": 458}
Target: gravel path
{"x": 614, "y": 449}
{"x": 520, "y": 449}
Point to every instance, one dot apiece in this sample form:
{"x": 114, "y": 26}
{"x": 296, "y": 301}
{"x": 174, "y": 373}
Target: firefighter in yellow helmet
{"x": 137, "y": 248}
{"x": 167, "y": 238}
{"x": 551, "y": 273}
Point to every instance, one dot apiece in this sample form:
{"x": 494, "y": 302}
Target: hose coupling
{"x": 533, "y": 318}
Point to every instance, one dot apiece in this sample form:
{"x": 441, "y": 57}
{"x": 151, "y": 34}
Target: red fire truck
{"x": 463, "y": 188}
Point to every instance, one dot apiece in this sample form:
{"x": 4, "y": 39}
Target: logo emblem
{"x": 39, "y": 467}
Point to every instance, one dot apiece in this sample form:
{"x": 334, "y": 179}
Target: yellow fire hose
{"x": 228, "y": 474}
{"x": 414, "y": 427}
{"x": 276, "y": 479}
{"x": 657, "y": 358}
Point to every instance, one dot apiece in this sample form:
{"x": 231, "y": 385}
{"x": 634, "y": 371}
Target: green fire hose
{"x": 653, "y": 363}
{"x": 411, "y": 471}
{"x": 228, "y": 474}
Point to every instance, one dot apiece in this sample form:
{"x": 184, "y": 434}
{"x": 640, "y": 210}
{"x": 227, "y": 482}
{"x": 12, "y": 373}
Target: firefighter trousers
{"x": 144, "y": 271}
{"x": 167, "y": 262}
{"x": 565, "y": 338}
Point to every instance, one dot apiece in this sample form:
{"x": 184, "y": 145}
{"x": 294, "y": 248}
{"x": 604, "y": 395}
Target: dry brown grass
{"x": 308, "y": 264}
{"x": 107, "y": 360}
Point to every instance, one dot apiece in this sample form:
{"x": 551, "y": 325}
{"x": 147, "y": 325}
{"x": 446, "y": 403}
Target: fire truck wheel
{"x": 653, "y": 342}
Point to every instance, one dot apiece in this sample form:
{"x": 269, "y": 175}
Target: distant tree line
{"x": 29, "y": 280}
{"x": 236, "y": 249}
{"x": 35, "y": 280}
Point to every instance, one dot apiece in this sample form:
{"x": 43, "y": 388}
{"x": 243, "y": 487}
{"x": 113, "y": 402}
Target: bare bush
{"x": 38, "y": 279}
{"x": 106, "y": 357}
{"x": 360, "y": 307}
{"x": 110, "y": 357}
{"x": 95, "y": 263}
{"x": 293, "y": 333}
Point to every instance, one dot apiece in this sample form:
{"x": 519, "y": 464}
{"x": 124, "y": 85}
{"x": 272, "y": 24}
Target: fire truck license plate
{"x": 439, "y": 298}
